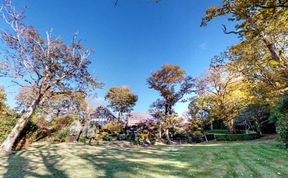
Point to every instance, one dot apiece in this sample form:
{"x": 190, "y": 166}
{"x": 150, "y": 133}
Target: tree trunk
{"x": 9, "y": 142}
{"x": 119, "y": 116}
{"x": 211, "y": 125}
{"x": 230, "y": 125}
{"x": 170, "y": 111}
{"x": 271, "y": 47}
{"x": 167, "y": 136}
{"x": 160, "y": 132}
{"x": 246, "y": 127}
{"x": 166, "y": 109}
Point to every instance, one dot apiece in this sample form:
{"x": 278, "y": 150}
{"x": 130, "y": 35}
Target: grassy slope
{"x": 247, "y": 159}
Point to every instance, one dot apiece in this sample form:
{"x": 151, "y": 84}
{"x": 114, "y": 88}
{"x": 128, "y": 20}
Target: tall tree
{"x": 261, "y": 55}
{"x": 121, "y": 99}
{"x": 45, "y": 64}
{"x": 221, "y": 92}
{"x": 172, "y": 84}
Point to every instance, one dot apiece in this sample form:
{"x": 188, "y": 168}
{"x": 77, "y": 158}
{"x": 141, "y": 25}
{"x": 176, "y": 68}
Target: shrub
{"x": 121, "y": 137}
{"x": 106, "y": 136}
{"x": 140, "y": 138}
{"x": 61, "y": 135}
{"x": 113, "y": 126}
{"x": 280, "y": 116}
{"x": 153, "y": 138}
{"x": 82, "y": 138}
{"x": 40, "y": 134}
{"x": 6, "y": 125}
{"x": 114, "y": 136}
{"x": 197, "y": 136}
{"x": 131, "y": 135}
{"x": 181, "y": 135}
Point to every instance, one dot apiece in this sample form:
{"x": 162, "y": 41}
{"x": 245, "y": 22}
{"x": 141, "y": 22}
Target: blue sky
{"x": 133, "y": 39}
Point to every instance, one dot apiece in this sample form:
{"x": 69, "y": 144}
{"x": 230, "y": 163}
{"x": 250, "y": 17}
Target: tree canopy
{"x": 172, "y": 84}
{"x": 121, "y": 99}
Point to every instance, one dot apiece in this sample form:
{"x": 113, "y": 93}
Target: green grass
{"x": 246, "y": 159}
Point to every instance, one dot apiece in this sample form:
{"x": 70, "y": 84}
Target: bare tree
{"x": 45, "y": 64}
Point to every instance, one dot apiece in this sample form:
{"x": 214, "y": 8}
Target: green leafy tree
{"x": 221, "y": 93}
{"x": 121, "y": 99}
{"x": 280, "y": 116}
{"x": 261, "y": 56}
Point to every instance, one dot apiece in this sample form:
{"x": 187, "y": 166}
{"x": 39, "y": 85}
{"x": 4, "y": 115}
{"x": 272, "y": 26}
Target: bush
{"x": 114, "y": 136}
{"x": 280, "y": 116}
{"x": 104, "y": 134}
{"x": 6, "y": 125}
{"x": 121, "y": 137}
{"x": 40, "y": 134}
{"x": 61, "y": 135}
{"x": 181, "y": 135}
{"x": 197, "y": 136}
{"x": 113, "y": 126}
{"x": 108, "y": 137}
{"x": 188, "y": 135}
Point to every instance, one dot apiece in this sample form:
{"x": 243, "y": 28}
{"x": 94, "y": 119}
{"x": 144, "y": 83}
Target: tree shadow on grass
{"x": 50, "y": 159}
{"x": 20, "y": 166}
{"x": 126, "y": 163}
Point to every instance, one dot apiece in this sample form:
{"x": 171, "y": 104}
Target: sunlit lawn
{"x": 247, "y": 159}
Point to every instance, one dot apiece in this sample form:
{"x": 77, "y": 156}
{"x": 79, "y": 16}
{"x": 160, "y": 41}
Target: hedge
{"x": 235, "y": 137}
{"x": 219, "y": 131}
{"x": 224, "y": 135}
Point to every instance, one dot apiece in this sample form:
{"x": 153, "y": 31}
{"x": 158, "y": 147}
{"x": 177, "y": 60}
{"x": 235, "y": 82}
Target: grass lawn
{"x": 246, "y": 159}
